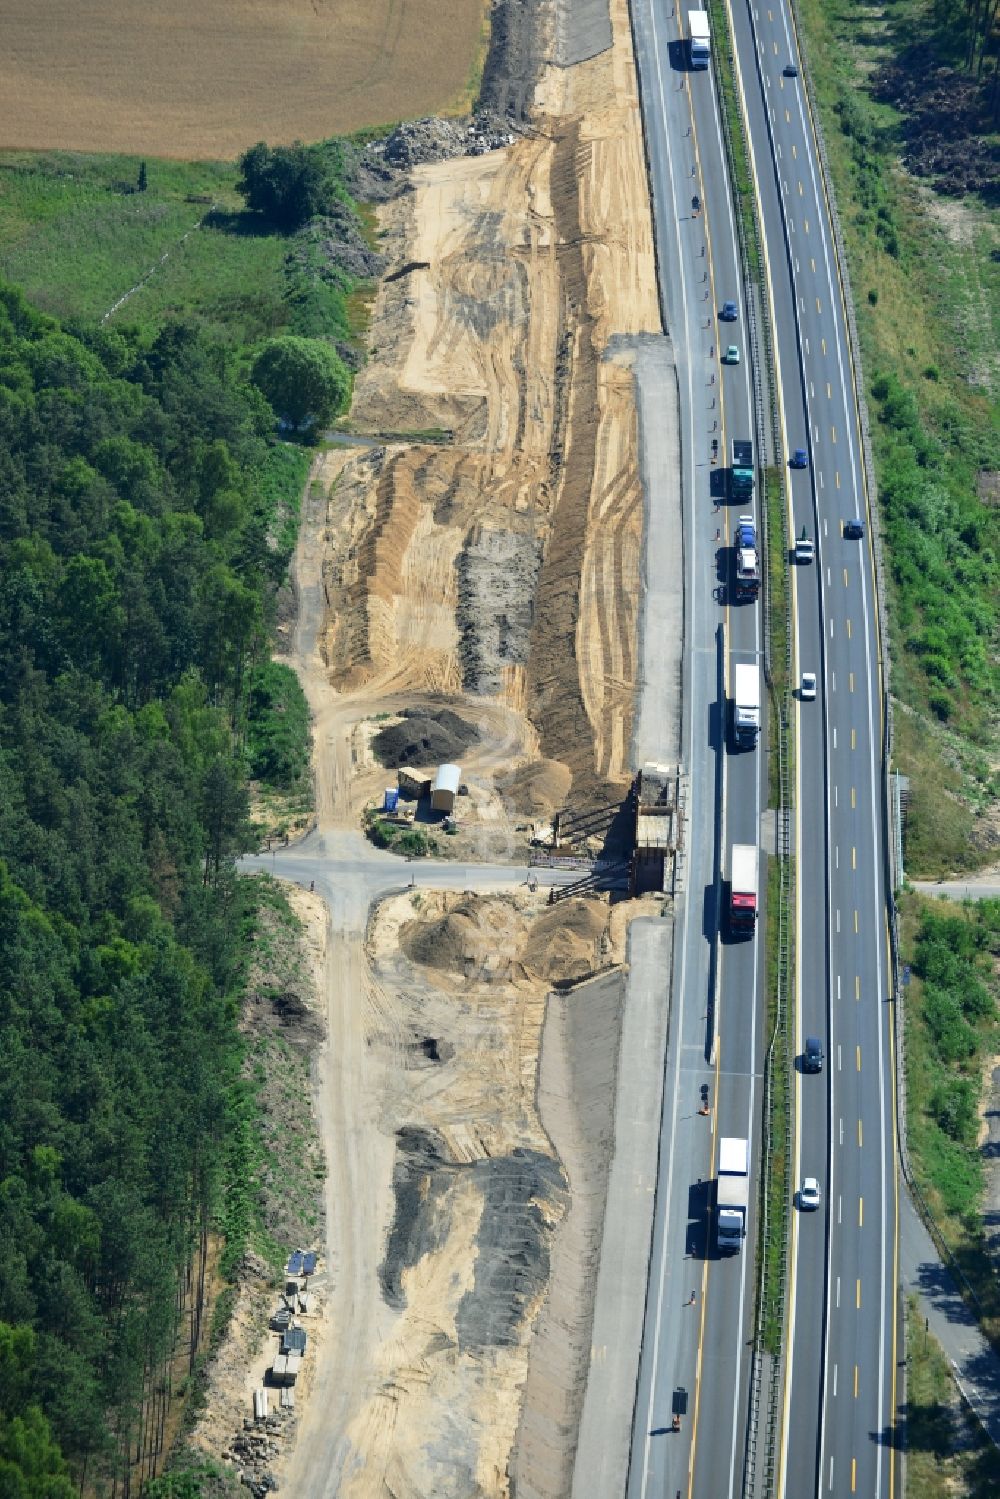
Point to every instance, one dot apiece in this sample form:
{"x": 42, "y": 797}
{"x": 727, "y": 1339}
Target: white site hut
{"x": 445, "y": 788}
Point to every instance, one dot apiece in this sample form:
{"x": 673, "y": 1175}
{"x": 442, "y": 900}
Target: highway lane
{"x": 699, "y": 1347}
{"x": 840, "y": 1390}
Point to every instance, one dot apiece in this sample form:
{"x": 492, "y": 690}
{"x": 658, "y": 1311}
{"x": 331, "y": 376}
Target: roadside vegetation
{"x": 286, "y": 256}
{"x": 148, "y": 512}
{"x": 947, "y": 1451}
{"x": 144, "y": 530}
{"x": 952, "y": 1040}
{"x": 912, "y": 134}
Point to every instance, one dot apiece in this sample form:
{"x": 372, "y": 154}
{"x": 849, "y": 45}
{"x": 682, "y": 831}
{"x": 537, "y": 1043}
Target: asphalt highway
{"x": 837, "y": 1420}
{"x": 838, "y": 1423}
{"x": 694, "y": 1358}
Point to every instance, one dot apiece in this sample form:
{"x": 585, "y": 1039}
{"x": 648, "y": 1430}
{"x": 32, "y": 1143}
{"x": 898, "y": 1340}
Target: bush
{"x": 277, "y": 726}
{"x": 304, "y": 379}
{"x": 287, "y": 185}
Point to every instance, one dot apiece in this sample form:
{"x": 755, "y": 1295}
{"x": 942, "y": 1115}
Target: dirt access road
{"x": 489, "y": 561}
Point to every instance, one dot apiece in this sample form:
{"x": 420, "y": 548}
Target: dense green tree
{"x": 286, "y": 184}
{"x": 137, "y": 564}
{"x": 304, "y": 380}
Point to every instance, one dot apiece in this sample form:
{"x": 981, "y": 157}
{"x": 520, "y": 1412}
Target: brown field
{"x": 206, "y": 78}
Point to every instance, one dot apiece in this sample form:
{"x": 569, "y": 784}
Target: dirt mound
{"x": 427, "y": 736}
{"x": 947, "y": 125}
{"x": 536, "y": 790}
{"x": 566, "y": 941}
{"x": 475, "y": 939}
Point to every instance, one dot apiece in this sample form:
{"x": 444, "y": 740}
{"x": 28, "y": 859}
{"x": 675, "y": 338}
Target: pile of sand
{"x": 477, "y": 938}
{"x": 566, "y": 940}
{"x": 536, "y": 790}
{"x": 488, "y": 938}
{"x": 426, "y": 736}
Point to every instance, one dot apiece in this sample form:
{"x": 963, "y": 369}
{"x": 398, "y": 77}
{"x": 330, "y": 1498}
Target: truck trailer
{"x": 732, "y": 1194}
{"x": 743, "y": 889}
{"x": 746, "y": 704}
{"x": 699, "y": 45}
{"x": 741, "y": 471}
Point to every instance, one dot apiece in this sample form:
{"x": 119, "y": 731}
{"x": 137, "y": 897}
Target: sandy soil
{"x": 207, "y": 78}
{"x": 494, "y": 569}
{"x": 504, "y": 563}
{"x": 456, "y": 1006}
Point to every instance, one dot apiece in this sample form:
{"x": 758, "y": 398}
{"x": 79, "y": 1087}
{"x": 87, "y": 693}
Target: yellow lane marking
{"x": 854, "y": 857}
{"x": 812, "y": 262}
{"x": 788, "y": 117}
{"x": 837, "y": 477}
{"x": 822, "y": 344}
{"x": 800, "y": 188}
{"x": 855, "y": 923}
{"x": 854, "y": 739}
{"x": 860, "y": 1146}
{"x": 854, "y": 1475}
{"x": 857, "y": 1058}
{"x": 859, "y": 1293}
{"x": 848, "y": 629}
{"x": 855, "y": 1381}
{"x": 854, "y": 797}
{"x": 806, "y": 224}
{"x": 833, "y": 430}
{"x": 829, "y": 391}
{"x": 845, "y": 577}
{"x": 857, "y": 986}
{"x": 850, "y": 681}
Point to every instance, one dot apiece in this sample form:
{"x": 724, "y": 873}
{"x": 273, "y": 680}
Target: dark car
{"x": 790, "y": 70}
{"x": 730, "y": 312}
{"x": 799, "y": 459}
{"x": 812, "y": 1056}
{"x": 854, "y": 529}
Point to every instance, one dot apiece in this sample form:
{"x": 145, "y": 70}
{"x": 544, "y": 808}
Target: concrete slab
{"x": 657, "y": 733}
{"x": 605, "y": 1428}
{"x": 583, "y": 29}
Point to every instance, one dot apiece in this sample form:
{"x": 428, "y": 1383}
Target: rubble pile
{"x": 253, "y": 1450}
{"x": 384, "y": 166}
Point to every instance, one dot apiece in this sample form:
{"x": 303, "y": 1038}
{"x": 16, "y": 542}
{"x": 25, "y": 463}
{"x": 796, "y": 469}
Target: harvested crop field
{"x": 206, "y": 78}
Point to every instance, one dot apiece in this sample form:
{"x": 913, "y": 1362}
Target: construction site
{"x": 468, "y": 586}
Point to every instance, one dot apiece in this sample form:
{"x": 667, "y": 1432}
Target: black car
{"x": 812, "y": 1057}
{"x": 790, "y": 70}
{"x": 854, "y": 529}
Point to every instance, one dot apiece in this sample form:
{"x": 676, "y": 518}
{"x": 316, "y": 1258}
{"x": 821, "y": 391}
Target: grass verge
{"x": 947, "y": 1451}
{"x": 736, "y": 147}
{"x": 926, "y": 276}
{"x": 952, "y": 1047}
{"x": 777, "y": 1180}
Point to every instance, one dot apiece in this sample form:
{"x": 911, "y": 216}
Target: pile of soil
{"x": 536, "y": 790}
{"x": 565, "y": 941}
{"x": 427, "y": 736}
{"x": 477, "y": 937}
{"x": 947, "y": 123}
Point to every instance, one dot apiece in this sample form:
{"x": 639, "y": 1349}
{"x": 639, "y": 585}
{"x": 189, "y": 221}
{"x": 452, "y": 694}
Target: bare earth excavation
{"x": 481, "y": 554}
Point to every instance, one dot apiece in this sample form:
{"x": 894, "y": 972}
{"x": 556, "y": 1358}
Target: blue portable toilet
{"x": 391, "y": 801}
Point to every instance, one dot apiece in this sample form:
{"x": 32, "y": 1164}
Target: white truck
{"x": 746, "y": 704}
{"x": 698, "y": 49}
{"x": 732, "y": 1194}
{"x": 743, "y": 890}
